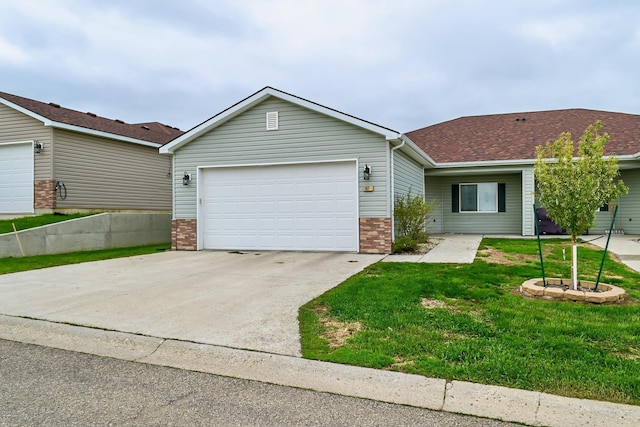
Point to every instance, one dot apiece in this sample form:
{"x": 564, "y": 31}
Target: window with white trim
{"x": 488, "y": 197}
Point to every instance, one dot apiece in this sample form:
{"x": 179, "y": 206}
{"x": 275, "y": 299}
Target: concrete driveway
{"x": 246, "y": 300}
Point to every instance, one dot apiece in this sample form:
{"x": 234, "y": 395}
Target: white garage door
{"x": 16, "y": 178}
{"x": 285, "y": 207}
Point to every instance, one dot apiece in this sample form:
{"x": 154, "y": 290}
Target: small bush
{"x": 405, "y": 244}
{"x": 411, "y": 214}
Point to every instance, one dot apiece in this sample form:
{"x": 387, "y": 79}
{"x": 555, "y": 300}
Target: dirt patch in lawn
{"x": 335, "y": 331}
{"x": 495, "y": 256}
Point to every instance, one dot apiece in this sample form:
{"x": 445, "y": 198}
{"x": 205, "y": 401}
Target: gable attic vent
{"x": 272, "y": 120}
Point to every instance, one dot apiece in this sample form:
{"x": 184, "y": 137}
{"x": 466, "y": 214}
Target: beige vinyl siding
{"x": 509, "y": 222}
{"x": 17, "y": 126}
{"x": 407, "y": 175}
{"x": 303, "y": 136}
{"x": 101, "y": 173}
{"x": 628, "y": 217}
{"x": 433, "y": 192}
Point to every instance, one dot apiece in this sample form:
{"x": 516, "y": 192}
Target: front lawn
{"x": 14, "y": 265}
{"x": 467, "y": 322}
{"x": 36, "y": 221}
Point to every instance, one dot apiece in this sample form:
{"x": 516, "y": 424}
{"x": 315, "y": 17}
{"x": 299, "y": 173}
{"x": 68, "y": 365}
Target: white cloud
{"x": 560, "y": 34}
{"x": 13, "y": 54}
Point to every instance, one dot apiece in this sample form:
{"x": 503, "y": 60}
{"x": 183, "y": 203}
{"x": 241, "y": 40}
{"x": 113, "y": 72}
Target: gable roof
{"x": 260, "y": 96}
{"x": 515, "y": 136}
{"x": 153, "y": 134}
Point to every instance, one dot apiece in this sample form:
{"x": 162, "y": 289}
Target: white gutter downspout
{"x": 393, "y": 195}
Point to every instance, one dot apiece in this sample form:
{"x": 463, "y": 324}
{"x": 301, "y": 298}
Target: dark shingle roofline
{"x": 54, "y": 115}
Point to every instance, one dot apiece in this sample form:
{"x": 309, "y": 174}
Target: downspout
{"x": 393, "y": 195}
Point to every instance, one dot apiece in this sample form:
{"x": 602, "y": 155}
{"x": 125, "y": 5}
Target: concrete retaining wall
{"x": 102, "y": 231}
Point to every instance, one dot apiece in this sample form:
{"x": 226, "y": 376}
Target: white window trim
{"x": 495, "y": 184}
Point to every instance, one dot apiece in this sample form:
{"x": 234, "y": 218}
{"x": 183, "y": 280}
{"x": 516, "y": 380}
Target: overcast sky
{"x": 402, "y": 64}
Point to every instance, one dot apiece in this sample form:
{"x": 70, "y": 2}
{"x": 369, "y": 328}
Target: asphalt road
{"x": 45, "y": 386}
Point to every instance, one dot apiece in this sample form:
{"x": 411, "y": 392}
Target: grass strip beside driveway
{"x": 26, "y": 222}
{"x": 14, "y": 265}
{"x": 467, "y": 322}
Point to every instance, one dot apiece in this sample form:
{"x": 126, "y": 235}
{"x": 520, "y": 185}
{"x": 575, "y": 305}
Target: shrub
{"x": 411, "y": 214}
{"x": 405, "y": 244}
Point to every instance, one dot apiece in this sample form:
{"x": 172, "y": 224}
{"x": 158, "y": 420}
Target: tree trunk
{"x": 574, "y": 263}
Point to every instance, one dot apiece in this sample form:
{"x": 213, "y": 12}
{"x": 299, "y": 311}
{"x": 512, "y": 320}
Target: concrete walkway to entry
{"x": 625, "y": 247}
{"x": 453, "y": 248}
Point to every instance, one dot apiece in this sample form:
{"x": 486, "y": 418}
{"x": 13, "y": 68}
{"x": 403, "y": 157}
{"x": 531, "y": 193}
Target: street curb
{"x": 527, "y": 407}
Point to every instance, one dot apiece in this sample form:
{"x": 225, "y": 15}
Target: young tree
{"x": 572, "y": 189}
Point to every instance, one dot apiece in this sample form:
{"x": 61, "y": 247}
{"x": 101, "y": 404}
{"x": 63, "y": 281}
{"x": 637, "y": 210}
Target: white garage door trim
{"x": 16, "y": 177}
{"x": 284, "y": 206}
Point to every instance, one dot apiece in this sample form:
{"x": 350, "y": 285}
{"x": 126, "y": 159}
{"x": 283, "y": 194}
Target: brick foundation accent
{"x": 184, "y": 234}
{"x": 44, "y": 194}
{"x": 375, "y": 235}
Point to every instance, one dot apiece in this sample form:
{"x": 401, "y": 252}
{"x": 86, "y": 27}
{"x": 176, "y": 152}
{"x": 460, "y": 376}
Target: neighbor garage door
{"x": 284, "y": 207}
{"x": 16, "y": 178}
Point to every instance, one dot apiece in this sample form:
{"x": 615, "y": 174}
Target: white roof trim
{"x": 424, "y": 156}
{"x": 29, "y": 113}
{"x": 100, "y": 133}
{"x": 485, "y": 163}
{"x": 518, "y": 162}
{"x": 75, "y": 128}
{"x": 257, "y": 97}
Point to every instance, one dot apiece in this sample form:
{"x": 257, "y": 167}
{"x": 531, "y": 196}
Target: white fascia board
{"x": 478, "y": 170}
{"x": 426, "y": 160}
{"x": 102, "y": 134}
{"x": 29, "y": 113}
{"x": 387, "y": 133}
{"x": 254, "y": 99}
{"x": 213, "y": 122}
{"x": 48, "y": 122}
{"x": 520, "y": 162}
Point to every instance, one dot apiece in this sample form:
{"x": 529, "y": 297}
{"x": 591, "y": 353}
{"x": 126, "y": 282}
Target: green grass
{"x": 36, "y": 221}
{"x": 486, "y": 332}
{"x": 13, "y": 265}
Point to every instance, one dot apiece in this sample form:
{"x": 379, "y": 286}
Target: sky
{"x": 402, "y": 64}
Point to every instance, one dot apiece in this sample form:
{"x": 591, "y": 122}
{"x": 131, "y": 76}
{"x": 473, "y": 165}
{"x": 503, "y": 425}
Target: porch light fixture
{"x": 366, "y": 174}
{"x": 186, "y": 179}
{"x": 38, "y": 146}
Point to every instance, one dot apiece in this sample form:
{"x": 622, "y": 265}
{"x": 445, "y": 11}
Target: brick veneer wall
{"x": 44, "y": 194}
{"x": 375, "y": 235}
{"x": 184, "y": 234}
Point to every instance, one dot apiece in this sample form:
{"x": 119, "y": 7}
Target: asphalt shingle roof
{"x": 150, "y": 132}
{"x": 515, "y": 136}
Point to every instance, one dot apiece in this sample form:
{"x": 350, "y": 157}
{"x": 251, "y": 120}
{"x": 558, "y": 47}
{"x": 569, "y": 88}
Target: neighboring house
{"x": 278, "y": 172}
{"x": 483, "y": 177}
{"x": 53, "y": 159}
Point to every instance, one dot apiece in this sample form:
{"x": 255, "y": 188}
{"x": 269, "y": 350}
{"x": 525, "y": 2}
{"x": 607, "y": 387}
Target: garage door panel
{"x": 288, "y": 207}
{"x": 16, "y": 178}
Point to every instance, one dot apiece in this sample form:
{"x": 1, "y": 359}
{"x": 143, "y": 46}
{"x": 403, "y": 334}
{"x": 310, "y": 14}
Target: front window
{"x": 482, "y": 197}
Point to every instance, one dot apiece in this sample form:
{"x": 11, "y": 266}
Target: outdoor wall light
{"x": 366, "y": 174}
{"x": 38, "y": 146}
{"x": 186, "y": 179}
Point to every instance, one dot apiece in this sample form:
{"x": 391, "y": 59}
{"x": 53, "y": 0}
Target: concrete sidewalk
{"x": 453, "y": 248}
{"x": 527, "y": 407}
{"x": 625, "y": 247}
